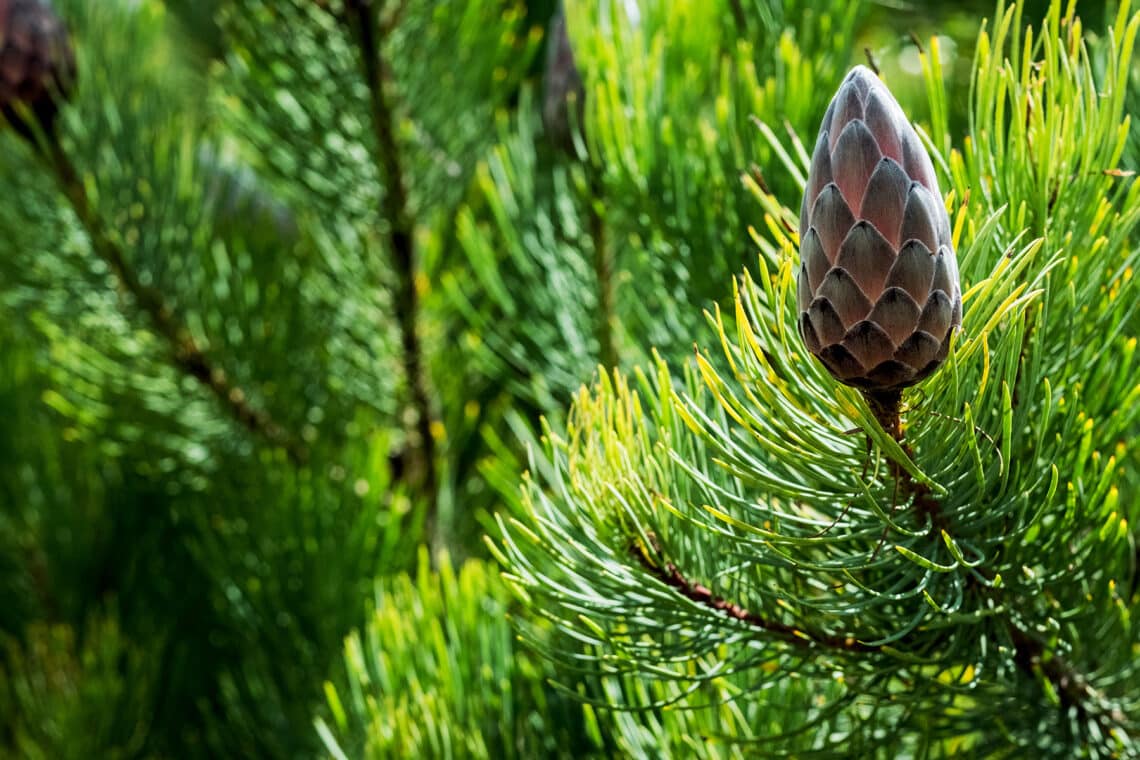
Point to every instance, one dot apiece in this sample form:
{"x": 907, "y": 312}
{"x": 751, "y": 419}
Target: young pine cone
{"x": 564, "y": 99}
{"x": 878, "y": 289}
{"x": 37, "y": 62}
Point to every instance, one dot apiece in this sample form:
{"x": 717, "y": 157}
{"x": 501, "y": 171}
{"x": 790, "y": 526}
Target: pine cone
{"x": 878, "y": 289}
{"x": 564, "y": 96}
{"x": 37, "y": 62}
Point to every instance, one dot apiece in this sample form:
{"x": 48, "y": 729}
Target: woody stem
{"x": 885, "y": 405}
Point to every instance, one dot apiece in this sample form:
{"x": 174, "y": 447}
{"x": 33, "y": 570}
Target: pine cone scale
{"x": 918, "y": 350}
{"x": 831, "y": 218}
{"x": 869, "y": 255}
{"x": 913, "y": 271}
{"x": 854, "y": 158}
{"x": 897, "y": 312}
{"x": 816, "y": 262}
{"x": 918, "y": 217}
{"x": 842, "y": 291}
{"x": 869, "y": 343}
{"x": 885, "y": 120}
{"x": 885, "y": 199}
{"x": 825, "y": 322}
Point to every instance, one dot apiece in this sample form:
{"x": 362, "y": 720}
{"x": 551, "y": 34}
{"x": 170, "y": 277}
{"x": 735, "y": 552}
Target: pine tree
{"x": 742, "y": 532}
{"x": 221, "y": 429}
{"x": 291, "y": 291}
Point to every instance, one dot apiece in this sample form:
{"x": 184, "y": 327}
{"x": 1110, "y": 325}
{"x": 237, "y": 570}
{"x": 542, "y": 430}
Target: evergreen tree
{"x": 220, "y": 427}
{"x": 292, "y": 291}
{"x": 743, "y": 531}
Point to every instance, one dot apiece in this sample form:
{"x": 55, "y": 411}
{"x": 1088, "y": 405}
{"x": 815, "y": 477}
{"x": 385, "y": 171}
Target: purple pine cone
{"x": 37, "y": 62}
{"x": 878, "y": 290}
{"x": 564, "y": 91}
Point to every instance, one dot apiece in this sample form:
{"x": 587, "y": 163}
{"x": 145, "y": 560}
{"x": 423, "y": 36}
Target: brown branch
{"x": 671, "y": 576}
{"x": 1071, "y": 686}
{"x": 871, "y": 62}
{"x": 185, "y": 353}
{"x": 394, "y": 207}
{"x": 886, "y": 406}
{"x": 393, "y": 20}
{"x": 739, "y": 16}
{"x": 603, "y": 274}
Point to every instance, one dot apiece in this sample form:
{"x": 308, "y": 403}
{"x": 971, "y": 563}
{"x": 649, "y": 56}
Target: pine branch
{"x": 886, "y": 407}
{"x": 1032, "y": 656}
{"x": 185, "y": 352}
{"x": 604, "y": 275}
{"x": 738, "y": 15}
{"x": 401, "y": 243}
{"x": 1071, "y": 686}
{"x": 671, "y": 576}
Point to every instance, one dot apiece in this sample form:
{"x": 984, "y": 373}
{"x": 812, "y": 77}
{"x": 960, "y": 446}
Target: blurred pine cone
{"x": 37, "y": 62}
{"x": 564, "y": 100}
{"x": 878, "y": 289}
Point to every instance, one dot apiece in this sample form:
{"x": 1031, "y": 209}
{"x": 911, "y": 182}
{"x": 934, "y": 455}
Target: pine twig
{"x": 603, "y": 273}
{"x": 886, "y": 406}
{"x": 185, "y": 352}
{"x": 671, "y": 576}
{"x": 1071, "y": 686}
{"x": 738, "y": 15}
{"x": 394, "y": 206}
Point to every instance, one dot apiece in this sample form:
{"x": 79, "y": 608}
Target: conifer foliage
{"x": 295, "y": 293}
{"x": 723, "y": 527}
{"x": 221, "y": 426}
